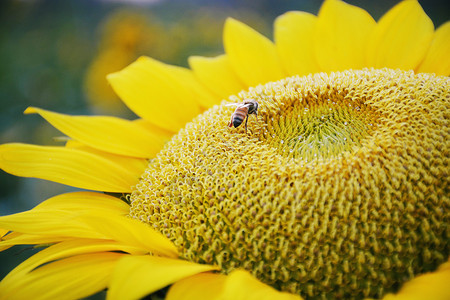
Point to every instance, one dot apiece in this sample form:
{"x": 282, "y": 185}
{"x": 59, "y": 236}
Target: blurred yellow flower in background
{"x": 339, "y": 189}
{"x": 125, "y": 35}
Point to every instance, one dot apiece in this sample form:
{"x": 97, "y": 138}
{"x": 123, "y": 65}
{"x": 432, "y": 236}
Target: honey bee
{"x": 243, "y": 110}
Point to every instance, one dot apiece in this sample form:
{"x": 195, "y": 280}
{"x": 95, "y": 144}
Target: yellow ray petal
{"x": 204, "y": 96}
{"x": 341, "y": 34}
{"x": 137, "y": 276}
{"x": 71, "y": 278}
{"x": 93, "y": 225}
{"x": 294, "y": 32}
{"x": 203, "y": 286}
{"x": 30, "y": 239}
{"x": 241, "y": 285}
{"x": 48, "y": 223}
{"x": 3, "y": 232}
{"x": 253, "y": 57}
{"x": 437, "y": 59}
{"x": 81, "y": 201}
{"x": 238, "y": 285}
{"x": 164, "y": 133}
{"x": 68, "y": 166}
{"x": 401, "y": 38}
{"x": 134, "y": 165}
{"x": 3, "y": 247}
{"x": 129, "y": 232}
{"x": 63, "y": 250}
{"x": 154, "y": 91}
{"x": 108, "y": 134}
{"x": 4, "y": 236}
{"x": 217, "y": 74}
{"x": 433, "y": 285}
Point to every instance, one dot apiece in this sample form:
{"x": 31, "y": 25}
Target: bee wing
{"x": 238, "y": 104}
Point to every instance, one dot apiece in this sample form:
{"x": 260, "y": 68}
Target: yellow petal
{"x": 71, "y": 278}
{"x": 3, "y": 232}
{"x": 138, "y": 276}
{"x": 253, "y": 57}
{"x": 129, "y": 232}
{"x": 69, "y": 166}
{"x": 4, "y": 237}
{"x": 29, "y": 239}
{"x": 4, "y": 247}
{"x": 66, "y": 249}
{"x": 294, "y": 33}
{"x": 204, "y": 96}
{"x": 55, "y": 219}
{"x": 108, "y": 134}
{"x": 92, "y": 225}
{"x": 238, "y": 285}
{"x": 164, "y": 133}
{"x": 133, "y": 164}
{"x": 433, "y": 285}
{"x": 401, "y": 38}
{"x": 341, "y": 34}
{"x": 48, "y": 223}
{"x": 216, "y": 73}
{"x": 95, "y": 225}
{"x": 82, "y": 201}
{"x": 203, "y": 286}
{"x": 241, "y": 285}
{"x": 63, "y": 250}
{"x": 155, "y": 91}
{"x": 437, "y": 59}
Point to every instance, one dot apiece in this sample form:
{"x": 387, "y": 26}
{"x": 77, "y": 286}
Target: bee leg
{"x": 256, "y": 116}
{"x": 246, "y": 120}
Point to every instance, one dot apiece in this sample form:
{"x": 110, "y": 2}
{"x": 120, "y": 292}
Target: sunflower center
{"x": 339, "y": 188}
{"x": 324, "y": 128}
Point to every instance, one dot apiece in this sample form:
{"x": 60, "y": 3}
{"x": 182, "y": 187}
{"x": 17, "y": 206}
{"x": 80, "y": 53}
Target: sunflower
{"x": 338, "y": 189}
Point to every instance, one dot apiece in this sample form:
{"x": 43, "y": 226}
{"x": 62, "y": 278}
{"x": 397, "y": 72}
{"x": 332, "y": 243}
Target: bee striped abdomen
{"x": 239, "y": 116}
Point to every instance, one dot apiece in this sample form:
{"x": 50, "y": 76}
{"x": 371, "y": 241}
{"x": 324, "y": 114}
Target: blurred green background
{"x": 55, "y": 55}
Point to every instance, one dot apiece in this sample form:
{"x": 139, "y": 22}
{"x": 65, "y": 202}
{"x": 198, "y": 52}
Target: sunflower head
{"x": 337, "y": 189}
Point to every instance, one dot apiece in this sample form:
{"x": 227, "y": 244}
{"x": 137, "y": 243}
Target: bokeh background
{"x": 55, "y": 55}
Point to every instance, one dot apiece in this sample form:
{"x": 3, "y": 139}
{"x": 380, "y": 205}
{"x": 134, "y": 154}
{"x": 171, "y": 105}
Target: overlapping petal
{"x": 200, "y": 93}
{"x": 71, "y": 278}
{"x": 129, "y": 232}
{"x": 401, "y": 37}
{"x": 252, "y": 56}
{"x": 341, "y": 35}
{"x": 203, "y": 286}
{"x": 294, "y": 37}
{"x": 69, "y": 166}
{"x": 137, "y": 276}
{"x": 437, "y": 58}
{"x": 433, "y": 285}
{"x": 133, "y": 164}
{"x": 237, "y": 285}
{"x": 156, "y": 92}
{"x": 90, "y": 225}
{"x": 242, "y": 285}
{"x": 217, "y": 74}
{"x": 85, "y": 201}
{"x": 109, "y": 134}
{"x": 48, "y": 222}
{"x": 16, "y": 238}
{"x": 62, "y": 250}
